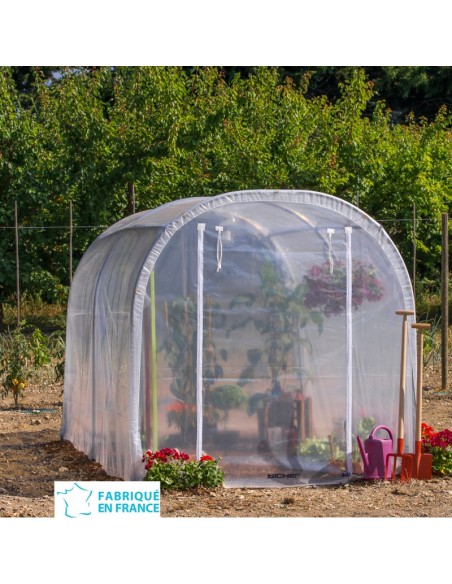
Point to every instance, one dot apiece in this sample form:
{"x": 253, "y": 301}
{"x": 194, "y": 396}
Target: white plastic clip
{"x": 330, "y": 233}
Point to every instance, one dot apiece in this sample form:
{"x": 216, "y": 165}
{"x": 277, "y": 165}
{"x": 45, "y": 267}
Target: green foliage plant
{"x": 365, "y": 427}
{"x": 13, "y": 364}
{"x": 333, "y": 448}
{"x": 315, "y": 449}
{"x": 57, "y": 348}
{"x": 439, "y": 445}
{"x": 432, "y": 343}
{"x": 284, "y": 312}
{"x": 179, "y": 347}
{"x": 441, "y": 461}
{"x": 36, "y": 312}
{"x": 39, "y": 349}
{"x": 175, "y": 470}
{"x": 23, "y": 354}
{"x": 227, "y": 397}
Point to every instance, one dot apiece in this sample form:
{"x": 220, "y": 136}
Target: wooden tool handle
{"x": 405, "y": 312}
{"x": 401, "y": 427}
{"x": 421, "y": 327}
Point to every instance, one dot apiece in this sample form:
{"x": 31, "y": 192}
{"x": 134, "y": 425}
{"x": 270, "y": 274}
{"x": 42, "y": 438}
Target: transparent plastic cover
{"x": 299, "y": 350}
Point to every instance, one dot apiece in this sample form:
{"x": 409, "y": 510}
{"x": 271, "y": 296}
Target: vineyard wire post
{"x": 16, "y": 230}
{"x": 414, "y": 250}
{"x": 130, "y": 198}
{"x": 444, "y": 300}
{"x": 70, "y": 243}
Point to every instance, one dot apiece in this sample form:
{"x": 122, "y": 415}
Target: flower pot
{"x": 280, "y": 412}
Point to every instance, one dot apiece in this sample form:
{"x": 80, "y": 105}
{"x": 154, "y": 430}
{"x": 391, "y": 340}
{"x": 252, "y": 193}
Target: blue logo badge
{"x": 76, "y": 500}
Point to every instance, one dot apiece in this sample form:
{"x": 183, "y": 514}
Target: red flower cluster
{"x": 163, "y": 455}
{"x": 441, "y": 439}
{"x": 327, "y": 291}
{"x": 168, "y": 455}
{"x": 426, "y": 432}
{"x": 205, "y": 458}
{"x": 180, "y": 407}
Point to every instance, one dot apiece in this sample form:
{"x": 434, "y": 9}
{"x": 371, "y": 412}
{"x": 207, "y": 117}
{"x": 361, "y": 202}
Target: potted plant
{"x": 316, "y": 449}
{"x": 227, "y": 397}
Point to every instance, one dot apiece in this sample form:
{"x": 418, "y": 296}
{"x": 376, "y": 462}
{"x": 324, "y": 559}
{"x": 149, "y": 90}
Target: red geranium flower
{"x": 427, "y": 433}
{"x": 205, "y": 457}
{"x": 161, "y": 456}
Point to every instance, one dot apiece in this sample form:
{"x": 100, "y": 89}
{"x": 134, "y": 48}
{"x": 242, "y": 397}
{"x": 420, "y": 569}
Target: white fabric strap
{"x": 154, "y": 365}
{"x": 348, "y": 312}
{"x": 199, "y": 339}
{"x": 330, "y": 232}
{"x": 219, "y": 230}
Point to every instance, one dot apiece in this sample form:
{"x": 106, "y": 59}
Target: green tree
{"x": 146, "y": 115}
{"x": 95, "y": 135}
{"x": 19, "y": 150}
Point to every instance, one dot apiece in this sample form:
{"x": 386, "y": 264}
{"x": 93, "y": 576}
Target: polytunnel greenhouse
{"x": 258, "y": 326}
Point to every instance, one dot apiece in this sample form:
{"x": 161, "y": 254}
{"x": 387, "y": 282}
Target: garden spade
{"x": 400, "y": 456}
{"x": 422, "y": 462}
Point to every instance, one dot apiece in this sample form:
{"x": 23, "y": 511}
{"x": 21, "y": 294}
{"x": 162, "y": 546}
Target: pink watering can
{"x": 374, "y": 452}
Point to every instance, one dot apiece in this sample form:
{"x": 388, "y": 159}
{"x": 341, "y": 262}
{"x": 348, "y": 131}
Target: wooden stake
{"x": 414, "y": 250}
{"x": 16, "y": 228}
{"x": 445, "y": 300}
{"x": 130, "y": 198}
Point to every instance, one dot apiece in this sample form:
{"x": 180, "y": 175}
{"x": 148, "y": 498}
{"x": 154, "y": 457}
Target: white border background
{"x": 237, "y": 32}
{"x": 205, "y": 32}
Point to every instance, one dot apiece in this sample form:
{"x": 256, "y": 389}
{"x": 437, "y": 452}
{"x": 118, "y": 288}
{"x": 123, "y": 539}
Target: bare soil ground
{"x": 33, "y": 456}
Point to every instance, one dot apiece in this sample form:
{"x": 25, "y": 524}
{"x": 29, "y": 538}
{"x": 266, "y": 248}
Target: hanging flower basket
{"x": 326, "y": 288}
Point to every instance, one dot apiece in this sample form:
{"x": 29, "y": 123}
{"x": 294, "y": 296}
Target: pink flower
{"x": 326, "y": 291}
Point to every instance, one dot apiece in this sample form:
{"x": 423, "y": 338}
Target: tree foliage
{"x": 90, "y": 134}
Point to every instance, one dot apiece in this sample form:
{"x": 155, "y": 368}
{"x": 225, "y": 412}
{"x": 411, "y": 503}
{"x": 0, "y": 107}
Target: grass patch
{"x": 37, "y": 313}
{"x": 429, "y": 302}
